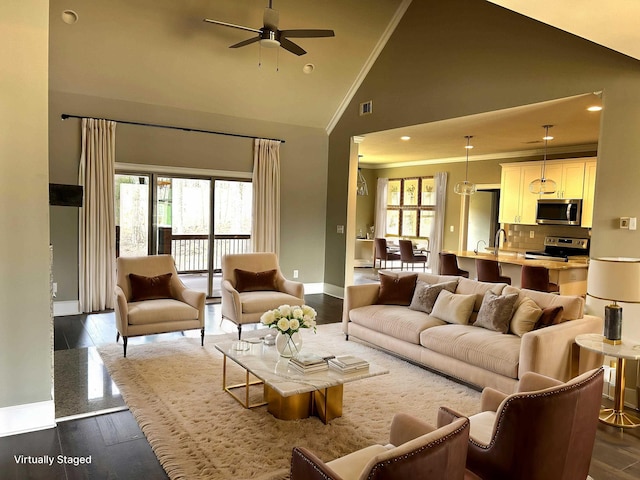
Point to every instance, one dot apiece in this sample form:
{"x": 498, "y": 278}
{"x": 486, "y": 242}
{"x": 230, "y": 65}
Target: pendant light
{"x": 466, "y": 187}
{"x": 543, "y": 185}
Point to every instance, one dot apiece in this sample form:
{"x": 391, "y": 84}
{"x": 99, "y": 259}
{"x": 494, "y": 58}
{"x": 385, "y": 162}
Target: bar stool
{"x": 449, "y": 265}
{"x": 489, "y": 271}
{"x": 537, "y": 278}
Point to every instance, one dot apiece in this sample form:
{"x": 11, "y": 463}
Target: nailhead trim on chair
{"x": 415, "y": 452}
{"x": 534, "y": 395}
{"x": 313, "y": 465}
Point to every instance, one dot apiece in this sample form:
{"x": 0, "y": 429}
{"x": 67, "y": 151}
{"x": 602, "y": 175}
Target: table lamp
{"x": 616, "y": 279}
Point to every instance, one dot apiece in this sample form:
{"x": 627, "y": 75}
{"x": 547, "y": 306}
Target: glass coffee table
{"x": 288, "y": 394}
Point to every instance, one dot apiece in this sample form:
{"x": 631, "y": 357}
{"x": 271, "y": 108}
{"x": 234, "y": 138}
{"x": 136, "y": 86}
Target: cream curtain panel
{"x": 265, "y": 229}
{"x": 380, "y": 228}
{"x": 437, "y": 228}
{"x": 97, "y": 230}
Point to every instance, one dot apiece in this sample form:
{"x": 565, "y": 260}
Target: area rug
{"x": 197, "y": 431}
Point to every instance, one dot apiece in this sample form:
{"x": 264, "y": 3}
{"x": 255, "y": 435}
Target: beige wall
{"x": 303, "y": 171}
{"x": 26, "y": 342}
{"x": 456, "y": 58}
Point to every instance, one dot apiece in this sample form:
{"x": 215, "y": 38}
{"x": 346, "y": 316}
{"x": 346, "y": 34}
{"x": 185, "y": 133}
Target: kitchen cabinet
{"x": 569, "y": 178}
{"x": 589, "y": 192}
{"x": 517, "y": 204}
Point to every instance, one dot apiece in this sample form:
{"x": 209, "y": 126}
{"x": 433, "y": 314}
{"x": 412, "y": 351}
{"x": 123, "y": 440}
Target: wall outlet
{"x": 633, "y": 224}
{"x": 340, "y": 229}
{"x": 295, "y": 274}
{"x": 624, "y": 222}
{"x": 532, "y": 233}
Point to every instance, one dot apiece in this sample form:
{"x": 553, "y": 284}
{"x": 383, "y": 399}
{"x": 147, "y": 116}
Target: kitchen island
{"x": 570, "y": 276}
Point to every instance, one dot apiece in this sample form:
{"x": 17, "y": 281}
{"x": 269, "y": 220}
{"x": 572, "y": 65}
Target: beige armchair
{"x": 416, "y": 451}
{"x": 151, "y": 298}
{"x": 252, "y": 284}
{"x": 545, "y": 430}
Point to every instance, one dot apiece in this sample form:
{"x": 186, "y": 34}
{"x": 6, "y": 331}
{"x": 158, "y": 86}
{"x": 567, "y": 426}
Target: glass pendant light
{"x": 543, "y": 185}
{"x": 466, "y": 187}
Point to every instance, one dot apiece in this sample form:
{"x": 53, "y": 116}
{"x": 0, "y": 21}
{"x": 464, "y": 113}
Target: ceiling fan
{"x": 269, "y": 35}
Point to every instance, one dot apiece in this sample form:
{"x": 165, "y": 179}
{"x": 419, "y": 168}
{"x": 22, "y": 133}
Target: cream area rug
{"x": 198, "y": 431}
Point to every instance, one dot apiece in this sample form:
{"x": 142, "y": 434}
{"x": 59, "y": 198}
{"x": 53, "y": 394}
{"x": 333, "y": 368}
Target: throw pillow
{"x": 496, "y": 311}
{"x": 525, "y": 317}
{"x": 453, "y": 307}
{"x": 254, "y": 281}
{"x": 425, "y": 295}
{"x": 550, "y": 316}
{"x": 396, "y": 290}
{"x": 150, "y": 288}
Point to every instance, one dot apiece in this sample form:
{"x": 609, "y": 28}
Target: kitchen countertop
{"x": 516, "y": 258}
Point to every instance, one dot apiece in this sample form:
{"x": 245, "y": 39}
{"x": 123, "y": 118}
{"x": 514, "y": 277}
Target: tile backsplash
{"x": 519, "y": 236}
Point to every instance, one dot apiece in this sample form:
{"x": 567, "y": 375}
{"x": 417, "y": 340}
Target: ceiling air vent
{"x": 366, "y": 108}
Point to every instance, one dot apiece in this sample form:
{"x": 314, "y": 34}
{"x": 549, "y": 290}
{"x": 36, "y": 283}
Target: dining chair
{"x": 408, "y": 255}
{"x": 382, "y": 253}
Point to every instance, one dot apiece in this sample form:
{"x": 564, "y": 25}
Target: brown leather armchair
{"x": 417, "y": 451}
{"x": 489, "y": 271}
{"x": 545, "y": 430}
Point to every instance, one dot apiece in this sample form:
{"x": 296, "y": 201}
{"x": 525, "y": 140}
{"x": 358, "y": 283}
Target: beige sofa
{"x": 472, "y": 354}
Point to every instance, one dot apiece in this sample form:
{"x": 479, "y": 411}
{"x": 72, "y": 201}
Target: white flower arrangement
{"x": 289, "y": 319}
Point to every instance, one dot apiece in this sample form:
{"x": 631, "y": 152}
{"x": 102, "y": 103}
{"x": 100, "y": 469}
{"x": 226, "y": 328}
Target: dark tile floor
{"x": 117, "y": 447}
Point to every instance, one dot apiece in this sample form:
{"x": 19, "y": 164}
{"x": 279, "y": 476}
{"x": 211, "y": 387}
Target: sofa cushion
{"x": 394, "y": 320}
{"x": 525, "y": 317}
{"x": 158, "y": 311}
{"x": 484, "y": 348}
{"x": 573, "y": 305}
{"x": 467, "y": 287}
{"x": 396, "y": 290}
{"x": 453, "y": 308}
{"x": 496, "y": 311}
{"x": 150, "y": 288}
{"x": 261, "y": 301}
{"x": 425, "y": 295}
{"x": 255, "y": 281}
{"x": 550, "y": 316}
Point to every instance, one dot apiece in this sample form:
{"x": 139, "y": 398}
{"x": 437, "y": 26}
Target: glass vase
{"x": 288, "y": 345}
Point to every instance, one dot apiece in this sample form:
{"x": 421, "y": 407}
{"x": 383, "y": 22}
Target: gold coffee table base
{"x": 619, "y": 419}
{"x": 325, "y": 404}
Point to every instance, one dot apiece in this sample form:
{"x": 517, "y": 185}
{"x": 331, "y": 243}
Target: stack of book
{"x": 348, "y": 363}
{"x": 308, "y": 363}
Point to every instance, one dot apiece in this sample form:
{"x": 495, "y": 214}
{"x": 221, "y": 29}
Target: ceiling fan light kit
{"x": 543, "y": 185}
{"x": 270, "y": 36}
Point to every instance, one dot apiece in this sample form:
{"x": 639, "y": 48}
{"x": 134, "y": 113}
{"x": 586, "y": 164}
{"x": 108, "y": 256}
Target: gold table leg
{"x": 326, "y": 404}
{"x": 616, "y": 416}
{"x": 246, "y": 385}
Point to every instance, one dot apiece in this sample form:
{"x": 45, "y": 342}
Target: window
{"x": 410, "y": 207}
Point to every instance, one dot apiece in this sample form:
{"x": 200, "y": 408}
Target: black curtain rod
{"x": 64, "y": 116}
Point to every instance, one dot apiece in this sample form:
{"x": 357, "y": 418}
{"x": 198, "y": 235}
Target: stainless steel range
{"x": 559, "y": 249}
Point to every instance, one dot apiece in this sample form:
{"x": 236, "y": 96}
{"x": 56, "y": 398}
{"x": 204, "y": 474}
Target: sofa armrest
{"x": 491, "y": 399}
{"x": 358, "y": 296}
{"x": 531, "y": 382}
{"x": 306, "y": 466}
{"x": 405, "y": 428}
{"x": 548, "y": 350}
{"x": 122, "y": 311}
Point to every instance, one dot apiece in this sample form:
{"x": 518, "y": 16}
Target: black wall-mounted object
{"x": 65, "y": 195}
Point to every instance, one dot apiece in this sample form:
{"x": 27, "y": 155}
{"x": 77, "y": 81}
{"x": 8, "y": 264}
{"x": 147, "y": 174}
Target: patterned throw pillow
{"x": 150, "y": 288}
{"x": 425, "y": 295}
{"x": 496, "y": 311}
{"x": 396, "y": 290}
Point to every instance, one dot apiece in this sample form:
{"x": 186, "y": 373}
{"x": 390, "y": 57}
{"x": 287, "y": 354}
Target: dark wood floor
{"x": 119, "y": 450}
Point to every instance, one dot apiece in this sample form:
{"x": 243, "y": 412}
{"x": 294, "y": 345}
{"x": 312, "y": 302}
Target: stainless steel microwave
{"x": 559, "y": 211}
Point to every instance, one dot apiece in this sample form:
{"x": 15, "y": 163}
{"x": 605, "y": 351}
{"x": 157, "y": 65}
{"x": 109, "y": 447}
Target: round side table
{"x": 615, "y": 416}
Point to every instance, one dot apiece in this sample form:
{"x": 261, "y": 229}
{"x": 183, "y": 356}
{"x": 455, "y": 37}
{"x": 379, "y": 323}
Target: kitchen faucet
{"x": 497, "y": 241}
{"x": 478, "y": 246}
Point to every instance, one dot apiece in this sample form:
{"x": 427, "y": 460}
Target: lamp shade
{"x": 614, "y": 278}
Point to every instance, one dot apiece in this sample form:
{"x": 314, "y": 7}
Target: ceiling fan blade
{"x": 271, "y": 18}
{"x": 292, "y": 47}
{"x": 225, "y": 24}
{"x": 245, "y": 42}
{"x": 307, "y": 33}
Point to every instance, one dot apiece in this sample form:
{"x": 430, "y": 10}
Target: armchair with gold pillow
{"x": 151, "y": 298}
{"x": 252, "y": 283}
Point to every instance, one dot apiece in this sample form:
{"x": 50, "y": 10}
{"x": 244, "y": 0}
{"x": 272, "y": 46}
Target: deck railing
{"x": 191, "y": 252}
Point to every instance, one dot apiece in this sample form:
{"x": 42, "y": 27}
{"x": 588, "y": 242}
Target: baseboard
{"x": 27, "y": 418}
{"x": 312, "y": 288}
{"x": 69, "y": 307}
{"x": 333, "y": 290}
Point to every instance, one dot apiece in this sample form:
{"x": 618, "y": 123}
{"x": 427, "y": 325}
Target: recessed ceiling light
{"x": 308, "y": 68}
{"x": 594, "y": 108}
{"x": 69, "y": 17}
{"x": 405, "y": 138}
